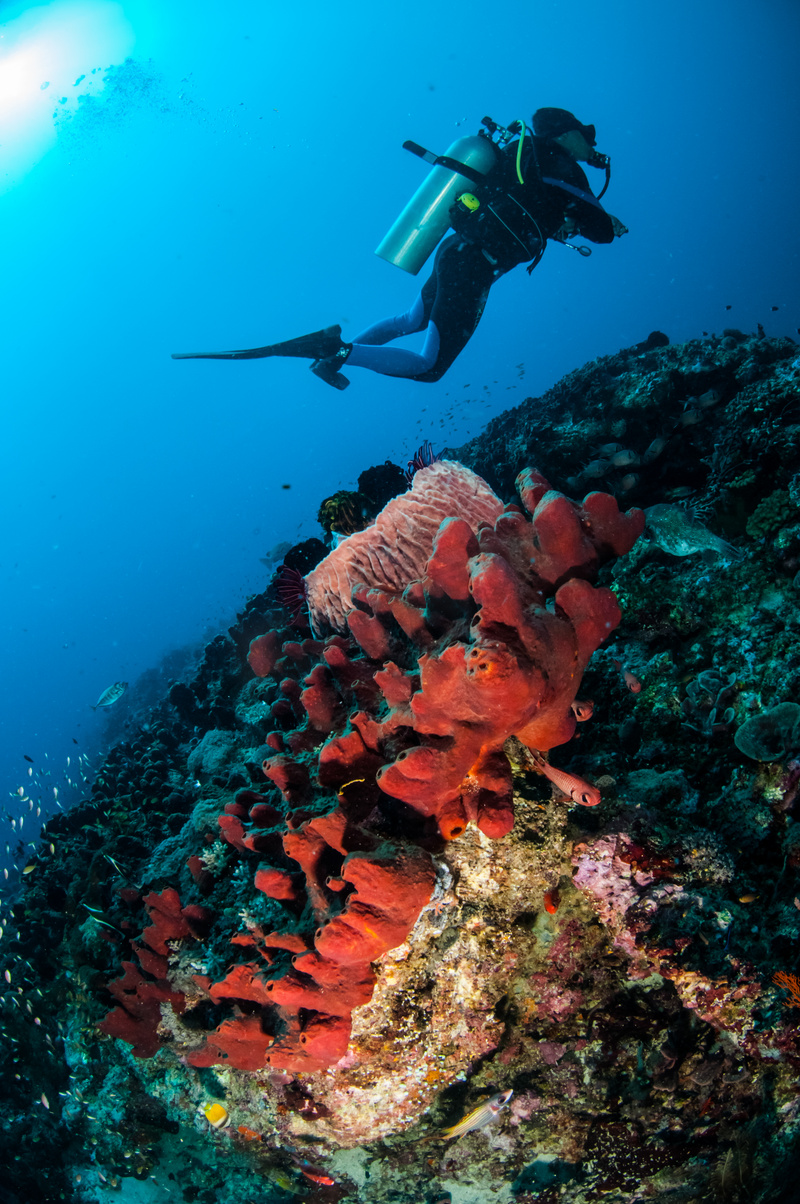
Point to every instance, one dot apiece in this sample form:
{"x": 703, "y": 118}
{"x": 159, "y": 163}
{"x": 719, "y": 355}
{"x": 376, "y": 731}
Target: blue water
{"x": 225, "y": 187}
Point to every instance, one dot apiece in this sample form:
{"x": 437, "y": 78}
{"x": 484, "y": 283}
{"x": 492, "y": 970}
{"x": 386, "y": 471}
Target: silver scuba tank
{"x": 425, "y": 219}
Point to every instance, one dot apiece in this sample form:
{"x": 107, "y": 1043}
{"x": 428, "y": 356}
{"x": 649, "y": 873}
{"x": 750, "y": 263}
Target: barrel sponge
{"x": 771, "y": 735}
{"x": 394, "y": 550}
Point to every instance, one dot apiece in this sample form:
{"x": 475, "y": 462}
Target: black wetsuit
{"x": 511, "y": 226}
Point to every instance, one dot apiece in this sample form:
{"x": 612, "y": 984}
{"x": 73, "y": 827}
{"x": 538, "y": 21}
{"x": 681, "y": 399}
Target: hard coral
{"x": 468, "y": 622}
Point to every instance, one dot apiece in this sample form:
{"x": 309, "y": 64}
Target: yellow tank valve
{"x": 469, "y": 201}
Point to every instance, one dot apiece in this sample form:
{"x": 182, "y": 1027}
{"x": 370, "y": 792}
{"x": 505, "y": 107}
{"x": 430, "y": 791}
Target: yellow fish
{"x": 483, "y": 1115}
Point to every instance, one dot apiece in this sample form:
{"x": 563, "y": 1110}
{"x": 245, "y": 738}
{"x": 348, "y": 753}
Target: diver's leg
{"x": 465, "y": 277}
{"x": 396, "y": 361}
{"x": 453, "y": 301}
{"x": 387, "y": 329}
{"x": 368, "y": 351}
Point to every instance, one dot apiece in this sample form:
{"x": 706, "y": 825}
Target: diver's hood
{"x": 552, "y": 123}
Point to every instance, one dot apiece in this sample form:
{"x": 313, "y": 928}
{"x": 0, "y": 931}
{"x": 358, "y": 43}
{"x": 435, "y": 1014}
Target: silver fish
{"x": 111, "y": 695}
{"x": 483, "y": 1115}
{"x": 275, "y": 554}
{"x": 673, "y": 529}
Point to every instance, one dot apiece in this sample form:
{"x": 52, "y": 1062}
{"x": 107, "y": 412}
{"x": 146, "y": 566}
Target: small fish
{"x": 115, "y": 864}
{"x": 679, "y": 491}
{"x": 248, "y": 1134}
{"x": 630, "y": 679}
{"x": 595, "y": 469}
{"x": 284, "y": 1181}
{"x": 317, "y": 1177}
{"x": 654, "y": 450}
{"x": 570, "y": 784}
{"x": 27, "y": 758}
{"x": 111, "y": 695}
{"x": 483, "y": 1115}
{"x": 275, "y": 554}
{"x": 675, "y": 531}
{"x": 215, "y": 1113}
{"x": 625, "y": 459}
{"x": 582, "y": 709}
{"x": 552, "y": 899}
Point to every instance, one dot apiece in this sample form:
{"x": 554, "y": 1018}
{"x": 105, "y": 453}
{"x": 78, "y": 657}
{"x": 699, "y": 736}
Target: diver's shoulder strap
{"x": 461, "y": 169}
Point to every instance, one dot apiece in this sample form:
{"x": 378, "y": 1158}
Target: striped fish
{"x": 484, "y": 1114}
{"x": 111, "y": 695}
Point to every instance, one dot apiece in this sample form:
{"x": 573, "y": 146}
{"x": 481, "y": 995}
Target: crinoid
{"x": 291, "y": 589}
{"x": 423, "y": 458}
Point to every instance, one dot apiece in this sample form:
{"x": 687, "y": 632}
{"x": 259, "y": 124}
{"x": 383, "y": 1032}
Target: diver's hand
{"x": 617, "y": 226}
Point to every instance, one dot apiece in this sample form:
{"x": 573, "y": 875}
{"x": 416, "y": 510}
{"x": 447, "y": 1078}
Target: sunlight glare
{"x": 44, "y": 54}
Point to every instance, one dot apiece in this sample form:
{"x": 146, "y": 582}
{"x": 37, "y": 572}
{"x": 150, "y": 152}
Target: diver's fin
{"x": 319, "y": 345}
{"x": 328, "y": 370}
{"x": 252, "y": 353}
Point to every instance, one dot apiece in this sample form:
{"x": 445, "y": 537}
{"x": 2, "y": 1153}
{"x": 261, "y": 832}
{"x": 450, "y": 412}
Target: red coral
{"x": 137, "y": 1018}
{"x": 520, "y": 670}
{"x": 264, "y": 653}
{"x": 463, "y": 631}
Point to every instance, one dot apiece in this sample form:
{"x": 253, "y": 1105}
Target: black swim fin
{"x": 328, "y": 370}
{"x": 321, "y": 344}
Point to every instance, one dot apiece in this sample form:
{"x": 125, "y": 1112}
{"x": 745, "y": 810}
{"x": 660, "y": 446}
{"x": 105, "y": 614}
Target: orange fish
{"x": 248, "y": 1134}
{"x": 582, "y": 709}
{"x": 317, "y": 1177}
{"x": 552, "y": 900}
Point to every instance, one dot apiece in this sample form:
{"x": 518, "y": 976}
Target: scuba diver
{"x": 504, "y": 192}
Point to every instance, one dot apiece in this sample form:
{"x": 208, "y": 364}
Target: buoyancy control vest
{"x": 508, "y": 217}
{"x": 506, "y": 197}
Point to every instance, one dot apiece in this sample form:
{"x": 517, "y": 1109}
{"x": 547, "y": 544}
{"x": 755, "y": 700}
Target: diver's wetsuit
{"x": 509, "y": 229}
{"x": 449, "y": 307}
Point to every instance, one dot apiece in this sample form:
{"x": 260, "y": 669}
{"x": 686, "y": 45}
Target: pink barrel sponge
{"x": 395, "y": 549}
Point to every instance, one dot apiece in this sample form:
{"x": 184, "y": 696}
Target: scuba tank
{"x": 426, "y": 217}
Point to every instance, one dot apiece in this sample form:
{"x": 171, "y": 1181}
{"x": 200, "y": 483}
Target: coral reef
{"x": 366, "y": 904}
{"x": 351, "y": 731}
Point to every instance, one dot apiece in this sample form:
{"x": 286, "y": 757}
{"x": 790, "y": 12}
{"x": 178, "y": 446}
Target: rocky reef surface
{"x": 341, "y": 887}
